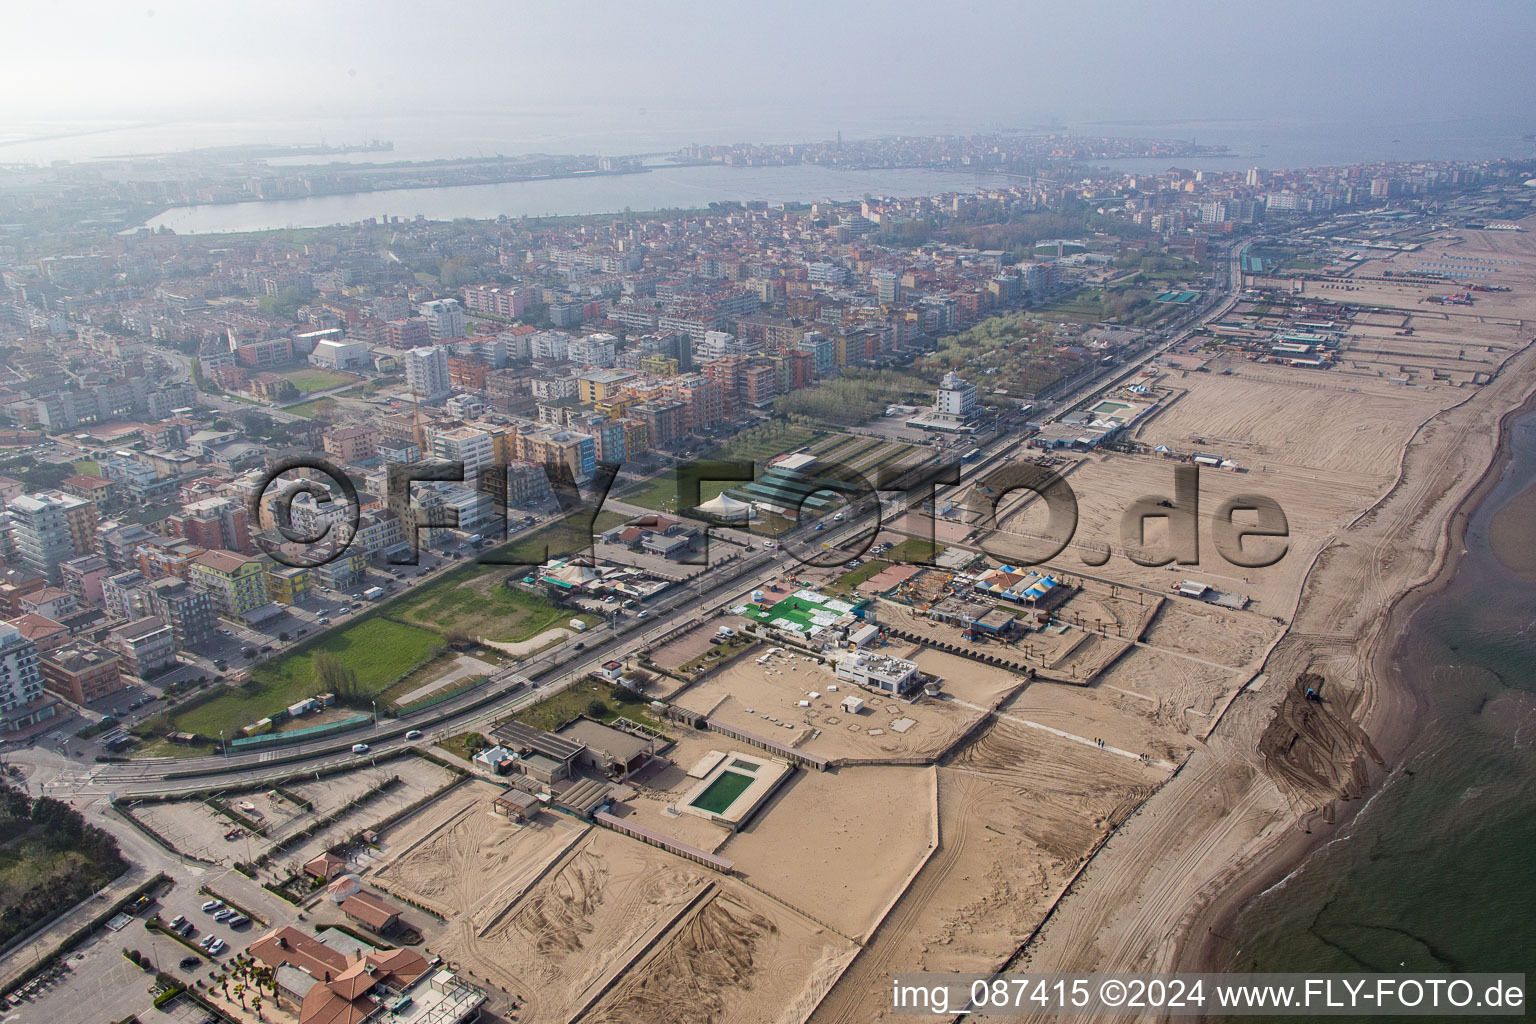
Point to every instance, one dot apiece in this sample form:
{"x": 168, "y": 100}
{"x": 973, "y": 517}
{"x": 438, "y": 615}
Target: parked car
{"x": 189, "y": 962}
{"x": 239, "y": 921}
{"x": 224, "y": 915}
{"x": 213, "y": 905}
{"x": 217, "y": 947}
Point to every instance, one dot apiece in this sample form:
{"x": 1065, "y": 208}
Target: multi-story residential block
{"x": 52, "y": 602}
{"x": 444, "y": 317}
{"x": 594, "y": 350}
{"x": 123, "y": 594}
{"x": 147, "y": 646}
{"x": 22, "y": 701}
{"x": 49, "y": 528}
{"x": 600, "y": 385}
{"x": 236, "y": 583}
{"x": 379, "y": 532}
{"x": 219, "y": 522}
{"x": 572, "y": 455}
{"x": 468, "y": 445}
{"x": 190, "y": 611}
{"x": 426, "y": 374}
{"x": 665, "y": 421}
{"x": 287, "y": 584}
{"x": 351, "y": 443}
{"x": 83, "y": 577}
{"x": 498, "y": 301}
{"x": 46, "y": 634}
{"x": 82, "y": 672}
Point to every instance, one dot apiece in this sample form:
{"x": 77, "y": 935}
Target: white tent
{"x": 723, "y": 506}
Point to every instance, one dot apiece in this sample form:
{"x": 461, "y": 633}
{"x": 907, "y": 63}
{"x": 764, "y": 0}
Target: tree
{"x": 336, "y": 677}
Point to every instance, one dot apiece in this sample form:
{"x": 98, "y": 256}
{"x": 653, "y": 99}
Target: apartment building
{"x": 22, "y": 700}
{"x": 82, "y": 672}
{"x": 189, "y": 611}
{"x": 147, "y": 646}
{"x": 426, "y": 374}
{"x": 236, "y": 583}
{"x": 350, "y": 443}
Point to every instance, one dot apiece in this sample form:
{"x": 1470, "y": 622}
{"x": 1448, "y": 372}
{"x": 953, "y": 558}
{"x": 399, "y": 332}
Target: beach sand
{"x": 1162, "y": 893}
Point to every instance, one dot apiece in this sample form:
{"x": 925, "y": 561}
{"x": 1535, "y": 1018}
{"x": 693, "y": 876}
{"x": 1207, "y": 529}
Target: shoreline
{"x": 1390, "y": 717}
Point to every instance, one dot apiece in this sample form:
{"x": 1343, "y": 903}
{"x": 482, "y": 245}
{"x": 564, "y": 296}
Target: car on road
{"x": 359, "y": 748}
{"x": 643, "y": 613}
{"x": 213, "y": 905}
{"x": 413, "y": 734}
{"x": 579, "y": 645}
{"x": 323, "y": 621}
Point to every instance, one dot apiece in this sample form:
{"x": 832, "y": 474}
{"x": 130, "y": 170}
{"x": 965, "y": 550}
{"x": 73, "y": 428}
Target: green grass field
{"x": 378, "y": 649}
{"x": 583, "y": 699}
{"x": 317, "y": 379}
{"x": 478, "y": 604}
{"x": 845, "y": 583}
{"x": 562, "y": 538}
{"x": 757, "y": 445}
{"x": 914, "y": 552}
{"x": 317, "y": 409}
{"x": 659, "y": 493}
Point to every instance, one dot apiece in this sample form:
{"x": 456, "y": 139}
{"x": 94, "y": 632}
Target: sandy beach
{"x": 1162, "y": 893}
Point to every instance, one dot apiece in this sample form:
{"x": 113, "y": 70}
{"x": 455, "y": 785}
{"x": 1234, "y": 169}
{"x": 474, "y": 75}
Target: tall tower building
{"x": 21, "y": 679}
{"x": 426, "y": 374}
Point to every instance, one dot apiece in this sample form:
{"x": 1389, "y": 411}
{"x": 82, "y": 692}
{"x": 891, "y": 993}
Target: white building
{"x": 474, "y": 448}
{"x": 554, "y": 345}
{"x": 878, "y": 672}
{"x": 21, "y": 680}
{"x": 445, "y": 318}
{"x": 465, "y": 407}
{"x": 956, "y": 398}
{"x": 426, "y": 374}
{"x": 40, "y": 531}
{"x": 594, "y": 350}
{"x": 339, "y": 355}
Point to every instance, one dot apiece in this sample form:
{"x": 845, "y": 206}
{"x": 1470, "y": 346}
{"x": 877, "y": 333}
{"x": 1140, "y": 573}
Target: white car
{"x": 359, "y": 748}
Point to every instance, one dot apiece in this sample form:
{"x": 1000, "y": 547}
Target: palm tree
{"x": 240, "y": 991}
{"x": 256, "y": 1004}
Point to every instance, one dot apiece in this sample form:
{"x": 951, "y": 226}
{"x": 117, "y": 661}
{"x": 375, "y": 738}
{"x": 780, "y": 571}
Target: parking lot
{"x": 99, "y": 984}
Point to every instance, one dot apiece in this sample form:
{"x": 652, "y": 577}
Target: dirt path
{"x": 532, "y": 645}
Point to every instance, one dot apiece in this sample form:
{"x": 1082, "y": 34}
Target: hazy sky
{"x": 1016, "y": 61}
